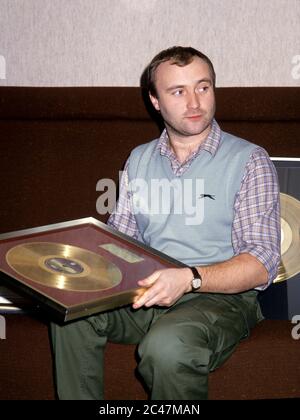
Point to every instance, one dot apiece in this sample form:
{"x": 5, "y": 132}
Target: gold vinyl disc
{"x": 63, "y": 266}
{"x": 290, "y": 243}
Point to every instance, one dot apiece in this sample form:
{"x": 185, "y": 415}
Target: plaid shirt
{"x": 256, "y": 222}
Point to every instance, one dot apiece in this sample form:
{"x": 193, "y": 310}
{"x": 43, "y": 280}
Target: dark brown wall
{"x": 56, "y": 143}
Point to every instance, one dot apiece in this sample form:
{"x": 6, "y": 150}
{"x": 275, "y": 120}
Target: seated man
{"x": 189, "y": 320}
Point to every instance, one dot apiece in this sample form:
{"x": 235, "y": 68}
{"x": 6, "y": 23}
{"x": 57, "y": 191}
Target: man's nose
{"x": 193, "y": 101}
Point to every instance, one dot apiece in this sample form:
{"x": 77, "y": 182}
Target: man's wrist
{"x": 197, "y": 280}
{"x": 194, "y": 279}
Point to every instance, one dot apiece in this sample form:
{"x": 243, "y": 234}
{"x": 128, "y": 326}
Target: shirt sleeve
{"x": 122, "y": 217}
{"x": 256, "y": 224}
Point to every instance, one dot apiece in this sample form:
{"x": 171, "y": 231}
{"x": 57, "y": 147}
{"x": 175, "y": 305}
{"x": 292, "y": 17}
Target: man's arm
{"x": 122, "y": 218}
{"x": 256, "y": 243}
{"x": 240, "y": 273}
{"x": 256, "y": 227}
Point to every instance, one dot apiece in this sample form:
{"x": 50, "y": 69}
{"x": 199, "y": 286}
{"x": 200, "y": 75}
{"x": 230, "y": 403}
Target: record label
{"x": 63, "y": 265}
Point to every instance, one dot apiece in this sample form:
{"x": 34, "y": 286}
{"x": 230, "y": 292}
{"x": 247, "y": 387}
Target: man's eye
{"x": 178, "y": 92}
{"x": 203, "y": 88}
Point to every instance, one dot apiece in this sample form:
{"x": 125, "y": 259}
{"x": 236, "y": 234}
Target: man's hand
{"x": 164, "y": 287}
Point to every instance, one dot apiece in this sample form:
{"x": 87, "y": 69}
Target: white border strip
{"x": 286, "y": 158}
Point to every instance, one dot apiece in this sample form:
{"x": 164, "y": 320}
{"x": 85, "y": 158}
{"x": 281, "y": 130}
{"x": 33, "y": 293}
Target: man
{"x": 189, "y": 320}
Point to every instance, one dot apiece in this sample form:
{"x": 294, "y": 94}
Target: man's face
{"x": 185, "y": 98}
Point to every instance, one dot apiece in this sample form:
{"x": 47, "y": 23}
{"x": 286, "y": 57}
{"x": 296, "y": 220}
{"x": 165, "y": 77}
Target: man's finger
{"x": 148, "y": 281}
{"x": 145, "y": 299}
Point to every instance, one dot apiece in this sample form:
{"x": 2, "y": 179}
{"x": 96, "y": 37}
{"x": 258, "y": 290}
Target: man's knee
{"x": 171, "y": 348}
{"x": 159, "y": 347}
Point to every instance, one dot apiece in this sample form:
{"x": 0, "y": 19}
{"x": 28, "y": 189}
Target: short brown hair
{"x": 181, "y": 56}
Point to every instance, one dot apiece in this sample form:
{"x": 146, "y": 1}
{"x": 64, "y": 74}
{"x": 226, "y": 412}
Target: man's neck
{"x": 183, "y": 151}
{"x": 183, "y": 147}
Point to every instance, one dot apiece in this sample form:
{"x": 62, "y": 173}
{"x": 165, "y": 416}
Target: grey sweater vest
{"x": 188, "y": 217}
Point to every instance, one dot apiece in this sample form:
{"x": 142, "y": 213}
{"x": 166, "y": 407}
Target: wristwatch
{"x": 196, "y": 282}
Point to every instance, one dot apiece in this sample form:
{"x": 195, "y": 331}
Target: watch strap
{"x": 196, "y": 273}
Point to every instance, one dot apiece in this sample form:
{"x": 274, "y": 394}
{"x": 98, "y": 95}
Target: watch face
{"x": 196, "y": 283}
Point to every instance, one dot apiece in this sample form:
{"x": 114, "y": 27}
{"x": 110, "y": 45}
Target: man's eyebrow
{"x": 174, "y": 87}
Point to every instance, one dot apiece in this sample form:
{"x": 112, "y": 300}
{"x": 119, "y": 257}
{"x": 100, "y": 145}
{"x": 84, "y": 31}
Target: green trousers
{"x": 178, "y": 346}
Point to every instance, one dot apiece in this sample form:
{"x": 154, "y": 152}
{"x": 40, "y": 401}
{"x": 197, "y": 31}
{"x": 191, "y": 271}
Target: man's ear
{"x": 154, "y": 101}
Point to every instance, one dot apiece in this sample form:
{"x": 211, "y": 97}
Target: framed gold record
{"x": 290, "y": 240}
{"x": 281, "y": 299}
{"x": 77, "y": 268}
